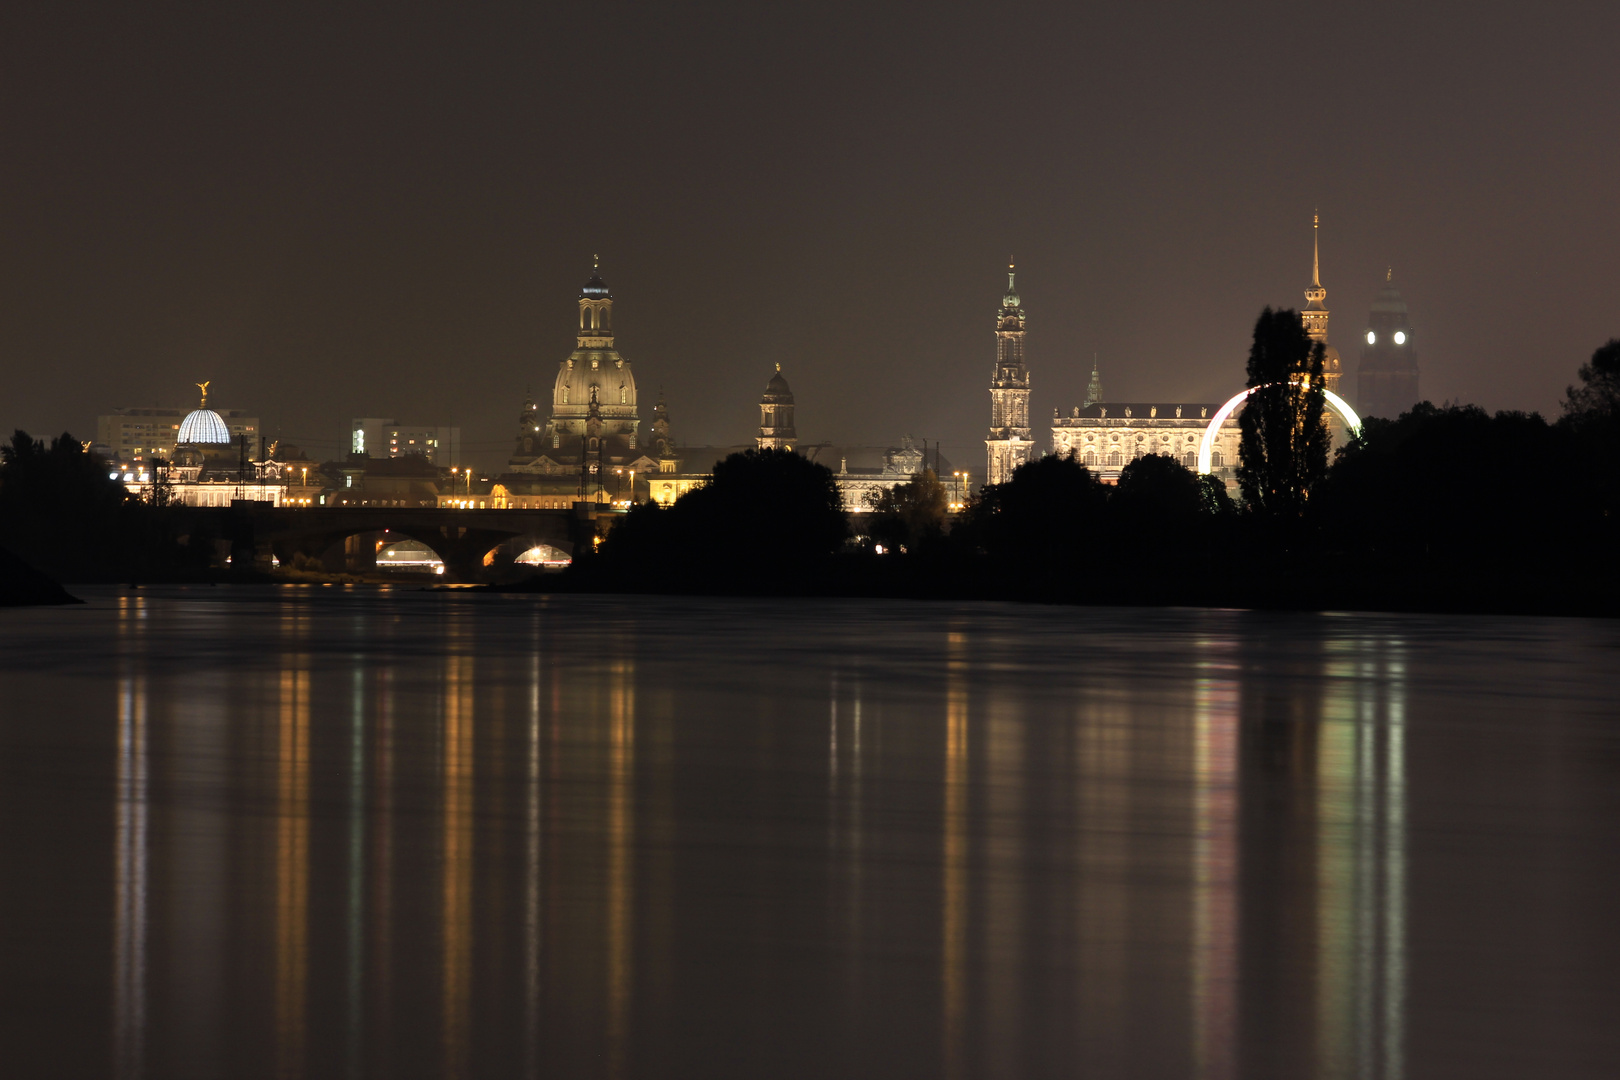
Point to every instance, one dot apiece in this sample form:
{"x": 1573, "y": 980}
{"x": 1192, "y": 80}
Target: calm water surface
{"x": 308, "y": 832}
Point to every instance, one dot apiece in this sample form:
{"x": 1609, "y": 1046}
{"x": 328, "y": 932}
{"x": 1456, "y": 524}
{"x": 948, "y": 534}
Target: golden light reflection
{"x": 531, "y": 892}
{"x": 1103, "y": 766}
{"x": 130, "y": 871}
{"x": 1004, "y": 1010}
{"x": 953, "y": 950}
{"x": 1215, "y": 876}
{"x": 457, "y": 759}
{"x": 292, "y": 863}
{"x": 355, "y": 929}
{"x": 621, "y": 794}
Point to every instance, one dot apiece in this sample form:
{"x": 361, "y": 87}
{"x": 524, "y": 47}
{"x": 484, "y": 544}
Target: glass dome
{"x": 204, "y": 427}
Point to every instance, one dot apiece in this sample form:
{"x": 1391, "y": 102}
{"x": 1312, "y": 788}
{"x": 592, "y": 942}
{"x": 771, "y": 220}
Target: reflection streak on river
{"x": 637, "y": 838}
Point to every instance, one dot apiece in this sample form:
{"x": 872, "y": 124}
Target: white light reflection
{"x": 1361, "y": 861}
{"x": 130, "y": 870}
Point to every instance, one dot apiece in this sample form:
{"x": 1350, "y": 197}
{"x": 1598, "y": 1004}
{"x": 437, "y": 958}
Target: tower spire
{"x": 1316, "y": 250}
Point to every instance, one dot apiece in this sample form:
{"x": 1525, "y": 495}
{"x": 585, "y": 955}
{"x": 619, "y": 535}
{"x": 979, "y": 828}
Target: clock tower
{"x": 1387, "y": 381}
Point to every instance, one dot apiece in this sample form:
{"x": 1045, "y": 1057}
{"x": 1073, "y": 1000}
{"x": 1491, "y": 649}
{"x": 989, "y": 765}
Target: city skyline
{"x": 187, "y": 201}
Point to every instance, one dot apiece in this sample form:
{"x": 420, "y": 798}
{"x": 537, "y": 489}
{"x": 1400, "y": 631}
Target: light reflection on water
{"x": 407, "y": 834}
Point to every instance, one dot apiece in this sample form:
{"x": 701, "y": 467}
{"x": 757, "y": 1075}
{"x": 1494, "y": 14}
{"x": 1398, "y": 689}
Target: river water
{"x": 385, "y": 833}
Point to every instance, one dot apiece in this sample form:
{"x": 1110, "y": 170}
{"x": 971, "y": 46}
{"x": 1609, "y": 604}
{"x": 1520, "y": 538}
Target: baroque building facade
{"x": 1009, "y": 444}
{"x": 1106, "y": 436}
{"x": 1387, "y": 381}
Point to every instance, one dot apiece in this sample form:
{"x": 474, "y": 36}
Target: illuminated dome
{"x": 595, "y": 287}
{"x": 203, "y": 427}
{"x": 601, "y": 370}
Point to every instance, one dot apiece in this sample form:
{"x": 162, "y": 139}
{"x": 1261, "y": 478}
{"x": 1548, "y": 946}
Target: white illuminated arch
{"x": 1335, "y": 402}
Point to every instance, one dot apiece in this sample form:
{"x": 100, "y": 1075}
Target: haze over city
{"x": 390, "y": 212}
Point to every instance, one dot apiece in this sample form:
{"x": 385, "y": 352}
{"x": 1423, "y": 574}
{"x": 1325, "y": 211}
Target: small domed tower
{"x": 1387, "y": 381}
{"x": 776, "y": 431}
{"x": 1315, "y": 315}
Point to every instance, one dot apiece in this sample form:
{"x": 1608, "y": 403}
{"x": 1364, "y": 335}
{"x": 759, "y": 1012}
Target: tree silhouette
{"x": 1284, "y": 446}
{"x": 61, "y": 512}
{"x": 910, "y": 514}
{"x": 765, "y": 520}
{"x": 1038, "y": 522}
{"x": 1599, "y": 391}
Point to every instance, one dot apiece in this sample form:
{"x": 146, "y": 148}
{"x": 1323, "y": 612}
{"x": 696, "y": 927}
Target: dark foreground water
{"x": 327, "y": 833}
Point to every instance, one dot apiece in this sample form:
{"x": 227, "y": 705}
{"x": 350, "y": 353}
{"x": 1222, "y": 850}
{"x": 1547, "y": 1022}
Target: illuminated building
{"x": 776, "y": 431}
{"x": 1315, "y": 314}
{"x": 382, "y": 437}
{"x": 206, "y": 463}
{"x": 1105, "y": 436}
{"x": 1009, "y": 444}
{"x": 138, "y": 436}
{"x": 588, "y": 448}
{"x": 1387, "y": 381}
{"x": 864, "y": 473}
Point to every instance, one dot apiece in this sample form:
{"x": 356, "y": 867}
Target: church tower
{"x": 1315, "y": 315}
{"x": 1009, "y": 444}
{"x": 1387, "y": 381}
{"x": 595, "y": 376}
{"x": 776, "y": 431}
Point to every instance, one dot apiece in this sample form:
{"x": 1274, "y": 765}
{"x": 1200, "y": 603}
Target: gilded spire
{"x": 1010, "y": 274}
{"x": 1316, "y": 251}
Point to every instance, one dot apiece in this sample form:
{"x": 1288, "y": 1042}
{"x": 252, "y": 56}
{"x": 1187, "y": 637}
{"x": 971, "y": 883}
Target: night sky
{"x": 390, "y": 210}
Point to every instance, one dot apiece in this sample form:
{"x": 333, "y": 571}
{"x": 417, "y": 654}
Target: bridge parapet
{"x": 460, "y": 537}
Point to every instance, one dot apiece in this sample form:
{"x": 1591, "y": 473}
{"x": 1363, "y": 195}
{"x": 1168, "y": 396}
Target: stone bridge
{"x": 335, "y": 535}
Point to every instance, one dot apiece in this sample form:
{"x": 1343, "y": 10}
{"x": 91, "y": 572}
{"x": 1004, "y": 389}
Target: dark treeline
{"x": 62, "y": 514}
{"x": 1445, "y": 507}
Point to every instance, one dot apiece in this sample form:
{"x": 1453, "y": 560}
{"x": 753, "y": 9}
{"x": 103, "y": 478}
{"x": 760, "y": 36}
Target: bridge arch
{"x": 1207, "y": 445}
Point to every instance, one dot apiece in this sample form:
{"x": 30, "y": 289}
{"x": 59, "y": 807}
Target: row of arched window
{"x": 1115, "y": 459}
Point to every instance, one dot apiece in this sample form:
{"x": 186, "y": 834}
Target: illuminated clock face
{"x": 1372, "y": 338}
{"x": 1400, "y": 337}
